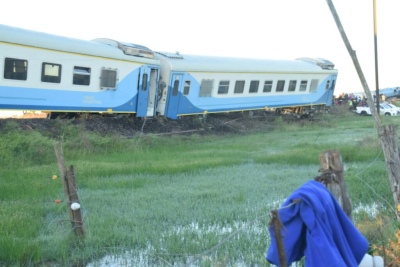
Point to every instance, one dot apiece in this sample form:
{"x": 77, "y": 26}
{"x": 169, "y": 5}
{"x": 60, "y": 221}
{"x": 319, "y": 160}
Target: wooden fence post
{"x": 68, "y": 178}
{"x": 332, "y": 177}
{"x": 277, "y": 224}
{"x": 390, "y": 146}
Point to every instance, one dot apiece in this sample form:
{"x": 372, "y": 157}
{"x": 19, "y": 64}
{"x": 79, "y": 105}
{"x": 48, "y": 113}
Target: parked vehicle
{"x": 384, "y": 109}
{"x": 394, "y": 107}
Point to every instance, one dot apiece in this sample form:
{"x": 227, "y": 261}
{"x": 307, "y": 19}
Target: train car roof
{"x": 194, "y": 63}
{"x": 97, "y": 47}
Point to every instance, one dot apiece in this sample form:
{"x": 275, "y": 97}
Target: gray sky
{"x": 282, "y": 29}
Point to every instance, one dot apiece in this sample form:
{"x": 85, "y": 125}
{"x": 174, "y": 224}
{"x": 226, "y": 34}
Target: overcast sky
{"x": 278, "y": 29}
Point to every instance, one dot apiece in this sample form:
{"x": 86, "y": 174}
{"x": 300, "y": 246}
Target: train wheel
{"x": 61, "y": 115}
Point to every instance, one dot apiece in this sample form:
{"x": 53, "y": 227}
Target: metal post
{"x": 376, "y": 60}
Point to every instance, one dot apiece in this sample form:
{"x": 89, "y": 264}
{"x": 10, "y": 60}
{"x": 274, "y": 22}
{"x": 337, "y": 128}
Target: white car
{"x": 394, "y": 107}
{"x": 384, "y": 109}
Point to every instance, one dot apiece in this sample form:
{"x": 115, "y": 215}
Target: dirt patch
{"x": 128, "y": 126}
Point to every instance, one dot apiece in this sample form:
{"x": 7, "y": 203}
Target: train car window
{"x": 254, "y": 86}
{"x": 15, "y": 69}
{"x": 81, "y": 76}
{"x": 51, "y": 73}
{"x": 280, "y": 86}
{"x": 333, "y": 84}
{"x": 186, "y": 88}
{"x": 303, "y": 86}
{"x": 328, "y": 83}
{"x": 176, "y": 88}
{"x": 267, "y": 87}
{"x": 314, "y": 85}
{"x": 108, "y": 79}
{"x": 239, "y": 87}
{"x": 223, "y": 87}
{"x": 206, "y": 88}
{"x": 144, "y": 82}
{"x": 292, "y": 86}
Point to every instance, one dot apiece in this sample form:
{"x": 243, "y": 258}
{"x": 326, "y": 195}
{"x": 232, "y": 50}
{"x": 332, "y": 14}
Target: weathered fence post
{"x": 332, "y": 177}
{"x": 276, "y": 223}
{"x": 68, "y": 178}
{"x": 390, "y": 146}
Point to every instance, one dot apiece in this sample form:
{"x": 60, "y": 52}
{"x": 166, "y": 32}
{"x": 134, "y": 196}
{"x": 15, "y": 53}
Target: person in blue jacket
{"x": 318, "y": 229}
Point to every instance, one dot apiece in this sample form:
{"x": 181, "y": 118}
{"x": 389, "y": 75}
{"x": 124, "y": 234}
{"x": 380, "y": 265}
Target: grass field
{"x": 178, "y": 201}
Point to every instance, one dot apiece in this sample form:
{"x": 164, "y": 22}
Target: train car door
{"x": 331, "y": 89}
{"x": 173, "y": 96}
{"x": 147, "y": 97}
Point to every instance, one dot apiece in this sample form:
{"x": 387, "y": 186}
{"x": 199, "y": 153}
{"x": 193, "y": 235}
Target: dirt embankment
{"x": 130, "y": 126}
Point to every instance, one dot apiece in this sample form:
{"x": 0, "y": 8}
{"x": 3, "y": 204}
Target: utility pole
{"x": 356, "y": 63}
{"x": 386, "y": 133}
{"x": 376, "y": 60}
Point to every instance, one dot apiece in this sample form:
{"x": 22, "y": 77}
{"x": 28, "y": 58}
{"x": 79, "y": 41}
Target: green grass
{"x": 171, "y": 200}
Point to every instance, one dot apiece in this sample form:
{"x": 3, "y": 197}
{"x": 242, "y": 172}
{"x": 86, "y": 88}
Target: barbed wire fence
{"x": 380, "y": 222}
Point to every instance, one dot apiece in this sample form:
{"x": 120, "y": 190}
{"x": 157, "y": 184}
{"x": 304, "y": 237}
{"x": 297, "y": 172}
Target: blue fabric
{"x": 318, "y": 229}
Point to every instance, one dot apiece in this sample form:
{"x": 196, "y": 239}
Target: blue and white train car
{"x": 201, "y": 85}
{"x": 56, "y": 74}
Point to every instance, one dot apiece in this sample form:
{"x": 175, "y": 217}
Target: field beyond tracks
{"x": 185, "y": 193}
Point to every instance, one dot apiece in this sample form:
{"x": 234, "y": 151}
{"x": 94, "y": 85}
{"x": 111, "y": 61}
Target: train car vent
{"x": 170, "y": 55}
{"x": 128, "y": 48}
{"x": 323, "y": 63}
{"x": 132, "y": 51}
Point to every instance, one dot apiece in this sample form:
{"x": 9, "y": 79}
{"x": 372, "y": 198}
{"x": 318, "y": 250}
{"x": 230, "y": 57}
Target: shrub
{"x": 391, "y": 250}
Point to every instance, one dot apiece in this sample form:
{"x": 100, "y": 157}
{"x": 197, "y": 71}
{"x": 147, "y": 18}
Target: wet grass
{"x": 151, "y": 200}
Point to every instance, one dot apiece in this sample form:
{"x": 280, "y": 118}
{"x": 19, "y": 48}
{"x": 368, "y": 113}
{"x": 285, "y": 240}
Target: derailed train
{"x": 55, "y": 74}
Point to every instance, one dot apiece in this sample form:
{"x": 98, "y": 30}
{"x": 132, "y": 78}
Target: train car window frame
{"x": 108, "y": 79}
{"x": 15, "y": 69}
{"x": 303, "y": 85}
{"x": 239, "y": 87}
{"x": 328, "y": 83}
{"x": 223, "y": 87}
{"x": 267, "y": 86}
{"x": 280, "y": 86}
{"x": 206, "y": 87}
{"x": 186, "y": 88}
{"x": 292, "y": 85}
{"x": 314, "y": 85}
{"x": 254, "y": 85}
{"x": 333, "y": 84}
{"x": 51, "y": 72}
{"x": 144, "y": 82}
{"x": 175, "y": 89}
{"x": 81, "y": 76}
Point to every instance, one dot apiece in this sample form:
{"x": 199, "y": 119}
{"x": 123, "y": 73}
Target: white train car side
{"x": 57, "y": 74}
{"x": 201, "y": 85}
